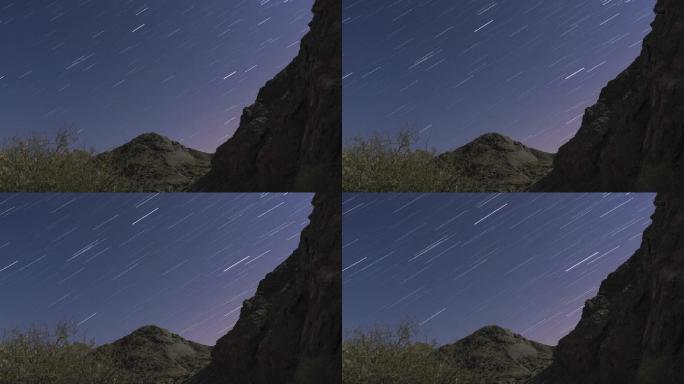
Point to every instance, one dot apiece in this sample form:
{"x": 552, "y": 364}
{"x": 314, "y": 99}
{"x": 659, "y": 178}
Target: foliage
{"x": 39, "y": 356}
{"x": 382, "y": 164}
{"x": 39, "y": 164}
{"x": 385, "y": 356}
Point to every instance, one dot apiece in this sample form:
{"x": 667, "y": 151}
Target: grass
{"x": 384, "y": 164}
{"x": 384, "y": 355}
{"x": 41, "y": 164}
{"x": 39, "y": 356}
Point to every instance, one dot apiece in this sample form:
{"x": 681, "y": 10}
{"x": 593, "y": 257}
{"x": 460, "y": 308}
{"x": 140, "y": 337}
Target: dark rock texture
{"x": 495, "y": 355}
{"x": 154, "y": 163}
{"x": 633, "y": 138}
{"x": 290, "y": 331}
{"x": 633, "y": 330}
{"x": 290, "y": 139}
{"x": 493, "y": 162}
{"x": 157, "y": 356}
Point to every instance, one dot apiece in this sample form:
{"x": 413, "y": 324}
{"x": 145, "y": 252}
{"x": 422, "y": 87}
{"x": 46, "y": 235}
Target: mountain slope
{"x": 633, "y": 330}
{"x": 156, "y": 356}
{"x": 495, "y": 355}
{"x": 154, "y": 163}
{"x": 290, "y": 331}
{"x": 493, "y": 162}
{"x": 633, "y": 138}
{"x": 290, "y": 138}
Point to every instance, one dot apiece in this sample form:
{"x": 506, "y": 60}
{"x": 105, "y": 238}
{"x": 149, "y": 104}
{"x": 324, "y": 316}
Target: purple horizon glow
{"x": 113, "y": 70}
{"x": 112, "y": 263}
{"x": 454, "y": 71}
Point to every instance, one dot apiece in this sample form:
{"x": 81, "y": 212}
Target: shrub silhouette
{"x": 391, "y": 356}
{"x": 39, "y": 356}
{"x": 40, "y": 164}
{"x": 384, "y": 164}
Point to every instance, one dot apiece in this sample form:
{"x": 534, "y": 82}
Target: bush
{"x": 38, "y": 356}
{"x": 40, "y": 164}
{"x": 382, "y": 164}
{"x": 385, "y": 356}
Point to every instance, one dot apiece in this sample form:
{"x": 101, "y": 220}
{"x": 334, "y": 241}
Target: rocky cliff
{"x": 290, "y": 331}
{"x": 493, "y": 162}
{"x": 632, "y": 332}
{"x": 156, "y": 356}
{"x": 290, "y": 138}
{"x": 633, "y": 138}
{"x": 154, "y": 163}
{"x": 495, "y": 355}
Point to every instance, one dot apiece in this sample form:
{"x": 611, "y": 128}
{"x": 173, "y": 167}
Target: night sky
{"x": 114, "y": 262}
{"x": 453, "y": 263}
{"x": 453, "y": 70}
{"x": 113, "y": 69}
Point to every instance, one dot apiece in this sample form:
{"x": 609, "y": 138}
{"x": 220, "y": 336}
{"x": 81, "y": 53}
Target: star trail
{"x": 453, "y": 263}
{"x": 453, "y": 70}
{"x": 111, "y": 263}
{"x": 112, "y": 70}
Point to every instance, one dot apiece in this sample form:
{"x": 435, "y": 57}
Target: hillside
{"x": 290, "y": 138}
{"x": 493, "y": 355}
{"x": 632, "y": 138}
{"x": 154, "y": 163}
{"x": 494, "y": 162}
{"x": 633, "y": 330}
{"x": 157, "y": 356}
{"x": 290, "y": 331}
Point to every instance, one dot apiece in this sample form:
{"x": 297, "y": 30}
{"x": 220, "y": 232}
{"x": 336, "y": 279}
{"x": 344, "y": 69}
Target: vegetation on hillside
{"x": 491, "y": 162}
{"x": 385, "y": 164}
{"x": 382, "y": 355}
{"x": 38, "y": 163}
{"x": 40, "y": 356}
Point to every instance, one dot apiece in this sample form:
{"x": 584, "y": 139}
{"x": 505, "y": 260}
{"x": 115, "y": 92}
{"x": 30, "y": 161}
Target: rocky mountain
{"x": 157, "y": 356}
{"x": 290, "y": 138}
{"x": 494, "y": 355}
{"x": 633, "y": 330}
{"x": 493, "y": 162}
{"x": 290, "y": 331}
{"x": 632, "y": 139}
{"x": 154, "y": 163}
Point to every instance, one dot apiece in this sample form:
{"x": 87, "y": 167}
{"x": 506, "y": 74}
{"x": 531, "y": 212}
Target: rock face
{"x": 493, "y": 162}
{"x": 633, "y": 138}
{"x": 157, "y": 356}
{"x": 154, "y": 163}
{"x": 495, "y": 355}
{"x": 633, "y": 331}
{"x": 290, "y": 331}
{"x": 290, "y": 139}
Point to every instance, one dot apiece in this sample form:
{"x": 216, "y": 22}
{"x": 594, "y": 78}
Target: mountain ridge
{"x": 290, "y": 331}
{"x": 632, "y": 331}
{"x": 156, "y": 356}
{"x": 154, "y": 163}
{"x": 494, "y": 162}
{"x": 496, "y": 355}
{"x": 632, "y": 138}
{"x": 290, "y": 139}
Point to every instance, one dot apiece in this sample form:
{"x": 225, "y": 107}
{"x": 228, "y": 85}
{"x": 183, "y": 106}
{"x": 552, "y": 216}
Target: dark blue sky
{"x": 114, "y": 262}
{"x": 454, "y": 70}
{"x": 453, "y": 263}
{"x": 114, "y": 69}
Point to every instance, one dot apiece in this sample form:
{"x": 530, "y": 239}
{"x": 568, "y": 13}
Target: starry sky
{"x": 453, "y": 70}
{"x": 453, "y": 263}
{"x": 114, "y": 69}
{"x": 111, "y": 263}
